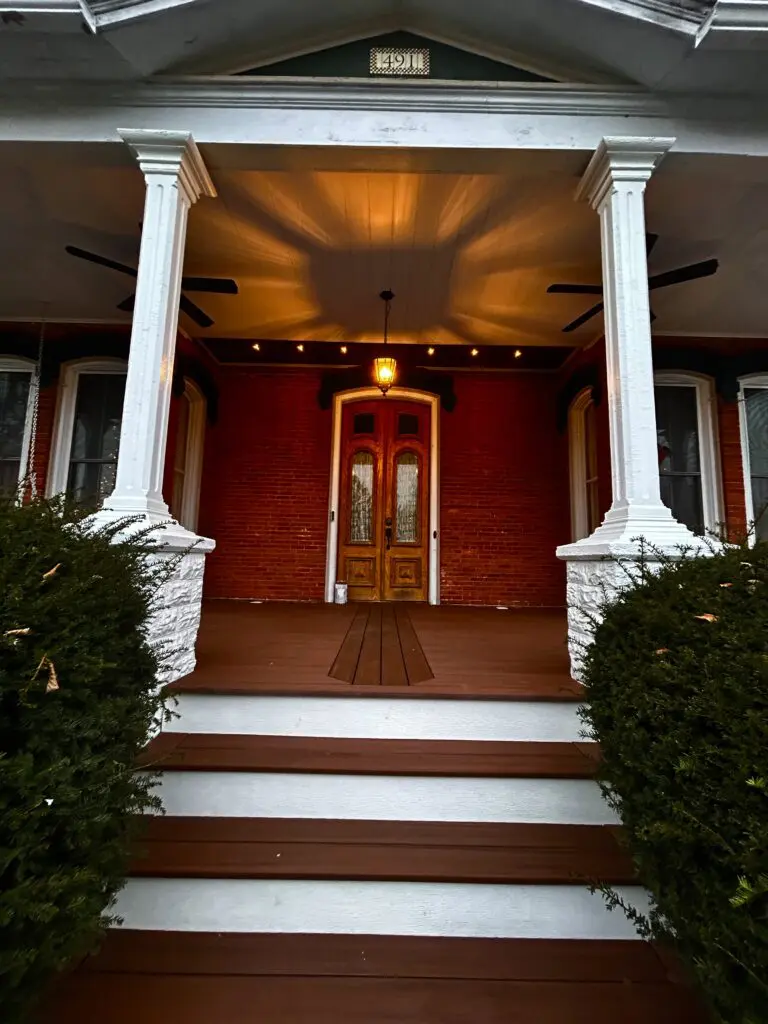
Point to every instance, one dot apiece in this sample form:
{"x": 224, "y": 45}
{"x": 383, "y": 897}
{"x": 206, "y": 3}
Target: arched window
{"x": 87, "y": 430}
{"x": 582, "y": 442}
{"x": 16, "y": 402}
{"x": 188, "y": 456}
{"x": 689, "y": 465}
{"x": 753, "y": 421}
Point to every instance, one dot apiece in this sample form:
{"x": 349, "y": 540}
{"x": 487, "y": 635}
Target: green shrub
{"x": 77, "y": 698}
{"x": 677, "y": 696}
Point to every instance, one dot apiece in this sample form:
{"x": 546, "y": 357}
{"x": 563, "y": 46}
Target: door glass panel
{"x": 14, "y": 395}
{"x": 364, "y": 423}
{"x": 407, "y": 497}
{"x": 407, "y": 424}
{"x": 756, "y": 402}
{"x": 677, "y": 434}
{"x": 361, "y": 499}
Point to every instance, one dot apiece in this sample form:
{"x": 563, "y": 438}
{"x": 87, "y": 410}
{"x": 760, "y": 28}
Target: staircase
{"x": 372, "y": 859}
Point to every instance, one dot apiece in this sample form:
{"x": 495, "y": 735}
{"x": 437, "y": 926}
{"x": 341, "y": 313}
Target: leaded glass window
{"x": 407, "y": 497}
{"x": 361, "y": 499}
{"x": 95, "y": 437}
{"x": 14, "y": 400}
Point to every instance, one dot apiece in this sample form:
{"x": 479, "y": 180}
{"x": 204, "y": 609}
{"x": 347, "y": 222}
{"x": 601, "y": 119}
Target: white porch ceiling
{"x": 468, "y": 241}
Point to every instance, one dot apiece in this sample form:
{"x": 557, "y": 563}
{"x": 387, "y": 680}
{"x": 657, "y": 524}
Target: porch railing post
{"x": 614, "y": 184}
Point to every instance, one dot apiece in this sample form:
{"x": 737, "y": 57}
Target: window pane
{"x": 361, "y": 499}
{"x": 98, "y": 413}
{"x": 407, "y": 498}
{"x": 682, "y": 494}
{"x": 9, "y": 475}
{"x": 14, "y": 394}
{"x": 756, "y": 403}
{"x": 677, "y": 433}
{"x": 90, "y": 483}
{"x": 677, "y": 430}
{"x": 180, "y": 457}
{"x": 407, "y": 424}
{"x": 364, "y": 423}
{"x": 590, "y": 442}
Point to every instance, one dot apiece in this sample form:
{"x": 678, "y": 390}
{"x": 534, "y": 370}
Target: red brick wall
{"x": 265, "y": 486}
{"x": 504, "y": 492}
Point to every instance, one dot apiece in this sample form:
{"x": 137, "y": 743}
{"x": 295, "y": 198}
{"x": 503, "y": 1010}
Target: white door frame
{"x": 332, "y": 548}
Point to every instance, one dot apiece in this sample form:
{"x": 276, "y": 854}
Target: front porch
{"x": 369, "y": 650}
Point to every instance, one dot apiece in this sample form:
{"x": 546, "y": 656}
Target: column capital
{"x": 618, "y": 158}
{"x": 173, "y": 153}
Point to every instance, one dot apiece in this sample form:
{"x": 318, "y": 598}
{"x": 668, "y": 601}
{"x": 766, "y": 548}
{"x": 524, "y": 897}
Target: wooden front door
{"x": 384, "y": 506}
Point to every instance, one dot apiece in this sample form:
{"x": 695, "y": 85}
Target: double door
{"x": 384, "y": 507}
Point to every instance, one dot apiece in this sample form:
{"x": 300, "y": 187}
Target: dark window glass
{"x": 677, "y": 434}
{"x": 407, "y": 424}
{"x": 14, "y": 396}
{"x": 756, "y": 402}
{"x": 95, "y": 437}
{"x": 363, "y": 423}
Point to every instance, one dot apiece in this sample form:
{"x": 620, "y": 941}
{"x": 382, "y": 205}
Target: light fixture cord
{"x": 387, "y": 304}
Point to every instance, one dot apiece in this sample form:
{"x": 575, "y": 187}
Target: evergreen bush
{"x": 77, "y": 699}
{"x": 677, "y": 697}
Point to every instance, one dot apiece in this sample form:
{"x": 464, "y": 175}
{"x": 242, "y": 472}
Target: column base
{"x": 600, "y": 566}
{"x": 175, "y": 616}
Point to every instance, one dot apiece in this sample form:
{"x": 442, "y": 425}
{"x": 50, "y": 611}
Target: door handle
{"x": 388, "y": 532}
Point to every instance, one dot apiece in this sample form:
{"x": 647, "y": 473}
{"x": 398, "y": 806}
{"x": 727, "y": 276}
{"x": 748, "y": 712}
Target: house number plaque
{"x": 399, "y": 61}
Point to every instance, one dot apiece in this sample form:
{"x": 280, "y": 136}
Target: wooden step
{"x": 179, "y": 847}
{"x": 205, "y": 978}
{"x": 221, "y": 752}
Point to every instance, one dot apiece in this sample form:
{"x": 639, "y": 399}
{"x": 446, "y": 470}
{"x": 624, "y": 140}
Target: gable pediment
{"x": 354, "y": 60}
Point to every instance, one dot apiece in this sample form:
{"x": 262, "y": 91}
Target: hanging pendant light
{"x": 385, "y": 367}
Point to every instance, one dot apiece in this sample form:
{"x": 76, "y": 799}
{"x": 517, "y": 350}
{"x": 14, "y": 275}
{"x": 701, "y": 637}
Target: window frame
{"x": 577, "y": 463}
{"x": 64, "y": 422}
{"x": 751, "y": 381}
{"x": 709, "y": 447}
{"x": 20, "y": 364}
{"x": 193, "y": 457}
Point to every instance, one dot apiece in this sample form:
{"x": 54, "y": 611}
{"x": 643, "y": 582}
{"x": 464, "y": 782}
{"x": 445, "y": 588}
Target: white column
{"x": 614, "y": 184}
{"x": 175, "y": 178}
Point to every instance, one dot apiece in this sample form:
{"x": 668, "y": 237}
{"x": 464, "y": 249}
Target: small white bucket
{"x": 340, "y": 592}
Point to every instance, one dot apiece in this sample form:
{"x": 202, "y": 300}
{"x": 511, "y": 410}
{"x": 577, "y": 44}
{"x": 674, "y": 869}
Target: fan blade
{"x": 194, "y": 312}
{"x": 690, "y": 273}
{"x": 575, "y": 289}
{"x": 583, "y": 318}
{"x": 650, "y": 242}
{"x": 214, "y": 285}
{"x": 92, "y": 257}
{"x": 127, "y": 304}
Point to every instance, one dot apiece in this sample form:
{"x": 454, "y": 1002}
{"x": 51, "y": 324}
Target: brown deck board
{"x": 276, "y": 648}
{"x": 345, "y": 664}
{"x": 162, "y": 977}
{"x": 416, "y": 665}
{"x": 175, "y": 847}
{"x": 392, "y": 664}
{"x": 174, "y": 751}
{"x": 369, "y": 667}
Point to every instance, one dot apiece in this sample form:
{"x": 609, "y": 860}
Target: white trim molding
{"x": 709, "y": 448}
{"x": 64, "y": 420}
{"x": 18, "y": 364}
{"x": 193, "y": 457}
{"x": 750, "y": 381}
{"x": 735, "y": 25}
{"x": 332, "y": 547}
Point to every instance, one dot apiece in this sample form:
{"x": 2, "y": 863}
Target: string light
{"x": 518, "y": 353}
{"x": 299, "y": 348}
{"x": 430, "y": 351}
{"x": 474, "y": 352}
{"x": 256, "y": 347}
{"x": 343, "y": 350}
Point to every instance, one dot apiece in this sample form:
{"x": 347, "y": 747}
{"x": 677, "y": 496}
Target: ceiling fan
{"x": 692, "y": 272}
{"x": 213, "y": 285}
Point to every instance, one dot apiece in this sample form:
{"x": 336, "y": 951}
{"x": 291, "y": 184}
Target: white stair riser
{"x": 374, "y": 908}
{"x": 379, "y": 718}
{"x": 383, "y": 797}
